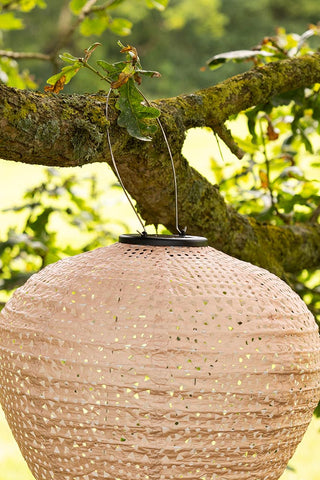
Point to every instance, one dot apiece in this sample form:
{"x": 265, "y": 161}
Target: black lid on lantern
{"x": 164, "y": 240}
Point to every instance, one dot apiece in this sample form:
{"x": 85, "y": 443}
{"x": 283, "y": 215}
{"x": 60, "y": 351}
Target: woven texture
{"x": 136, "y": 362}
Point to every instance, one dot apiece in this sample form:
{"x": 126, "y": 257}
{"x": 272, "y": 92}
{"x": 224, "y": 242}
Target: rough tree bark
{"x": 70, "y": 130}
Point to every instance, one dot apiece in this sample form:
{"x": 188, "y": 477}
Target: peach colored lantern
{"x": 160, "y": 360}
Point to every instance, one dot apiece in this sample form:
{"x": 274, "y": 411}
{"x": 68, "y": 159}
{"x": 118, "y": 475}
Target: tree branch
{"x": 69, "y": 29}
{"x": 71, "y": 130}
{"x": 25, "y": 55}
{"x": 315, "y": 215}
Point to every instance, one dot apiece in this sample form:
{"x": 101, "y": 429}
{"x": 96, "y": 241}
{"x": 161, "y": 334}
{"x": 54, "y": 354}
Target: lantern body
{"x": 141, "y": 362}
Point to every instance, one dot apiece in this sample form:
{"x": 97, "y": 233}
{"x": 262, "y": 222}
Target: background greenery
{"x": 48, "y": 214}
{"x": 176, "y": 41}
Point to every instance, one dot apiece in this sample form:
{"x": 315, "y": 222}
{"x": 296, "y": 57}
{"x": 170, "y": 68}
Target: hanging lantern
{"x": 157, "y": 358}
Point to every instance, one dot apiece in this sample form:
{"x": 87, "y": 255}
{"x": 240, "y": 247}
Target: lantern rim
{"x": 164, "y": 240}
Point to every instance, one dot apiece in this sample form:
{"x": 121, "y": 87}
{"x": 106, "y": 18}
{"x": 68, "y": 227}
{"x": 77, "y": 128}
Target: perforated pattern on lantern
{"x": 138, "y": 362}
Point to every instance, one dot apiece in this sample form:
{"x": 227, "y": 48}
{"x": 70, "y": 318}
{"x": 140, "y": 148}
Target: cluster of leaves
{"x": 271, "y": 49}
{"x": 124, "y": 77}
{"x": 100, "y": 18}
{"x": 10, "y": 20}
{"x": 57, "y": 200}
{"x": 87, "y": 18}
{"x": 277, "y": 180}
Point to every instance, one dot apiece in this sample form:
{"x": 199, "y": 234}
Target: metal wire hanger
{"x": 144, "y": 232}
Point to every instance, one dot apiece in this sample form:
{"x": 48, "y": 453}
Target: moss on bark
{"x": 71, "y": 130}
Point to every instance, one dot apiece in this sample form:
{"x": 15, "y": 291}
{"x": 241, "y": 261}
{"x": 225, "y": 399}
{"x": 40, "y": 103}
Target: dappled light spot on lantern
{"x": 144, "y": 362}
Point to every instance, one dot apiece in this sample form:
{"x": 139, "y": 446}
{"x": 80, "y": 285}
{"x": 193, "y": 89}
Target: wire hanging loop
{"x": 181, "y": 232}
{"x": 117, "y": 171}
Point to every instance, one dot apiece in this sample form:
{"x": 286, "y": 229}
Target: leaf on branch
{"x": 68, "y": 58}
{"x": 120, "y": 26}
{"x": 264, "y": 179}
{"x": 89, "y": 51}
{"x": 58, "y": 81}
{"x": 292, "y": 172}
{"x": 113, "y": 69}
{"x": 236, "y": 56}
{"x": 131, "y": 51}
{"x": 27, "y": 5}
{"x": 305, "y": 140}
{"x": 96, "y": 24}
{"x": 115, "y": 3}
{"x": 122, "y": 79}
{"x": 9, "y": 22}
{"x": 77, "y": 5}
{"x": 135, "y": 117}
{"x": 313, "y": 30}
{"x": 56, "y": 87}
{"x": 148, "y": 73}
{"x": 272, "y": 132}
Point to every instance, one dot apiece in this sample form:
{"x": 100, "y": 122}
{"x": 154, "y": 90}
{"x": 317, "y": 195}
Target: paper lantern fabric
{"x": 143, "y": 362}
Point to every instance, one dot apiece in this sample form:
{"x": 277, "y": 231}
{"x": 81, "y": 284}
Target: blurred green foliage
{"x": 58, "y": 200}
{"x": 278, "y": 181}
{"x": 177, "y": 40}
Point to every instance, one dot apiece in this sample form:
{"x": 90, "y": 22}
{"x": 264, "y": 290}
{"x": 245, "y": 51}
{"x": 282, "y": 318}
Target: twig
{"x": 86, "y": 10}
{"x": 90, "y": 67}
{"x": 25, "y": 55}
{"x": 315, "y": 215}
{"x": 267, "y": 163}
{"x": 228, "y": 139}
{"x": 100, "y": 8}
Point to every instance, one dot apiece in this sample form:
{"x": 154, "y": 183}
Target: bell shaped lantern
{"x": 157, "y": 358}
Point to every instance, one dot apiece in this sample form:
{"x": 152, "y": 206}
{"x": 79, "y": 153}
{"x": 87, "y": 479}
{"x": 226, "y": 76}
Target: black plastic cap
{"x": 164, "y": 240}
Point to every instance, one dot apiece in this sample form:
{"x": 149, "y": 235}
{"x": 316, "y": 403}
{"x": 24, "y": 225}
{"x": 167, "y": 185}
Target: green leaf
{"x": 120, "y": 26}
{"x": 235, "y": 56}
{"x": 286, "y": 98}
{"x": 68, "y": 58}
{"x": 115, "y": 4}
{"x": 9, "y": 22}
{"x": 95, "y": 25}
{"x": 252, "y": 119}
{"x": 92, "y": 47}
{"x": 302, "y": 40}
{"x": 27, "y": 5}
{"x": 39, "y": 224}
{"x": 11, "y": 76}
{"x": 306, "y": 141}
{"x": 134, "y": 116}
{"x": 113, "y": 69}
{"x": 158, "y": 4}
{"x": 17, "y": 280}
{"x": 317, "y": 410}
{"x": 77, "y": 5}
{"x": 69, "y": 72}
{"x": 149, "y": 73}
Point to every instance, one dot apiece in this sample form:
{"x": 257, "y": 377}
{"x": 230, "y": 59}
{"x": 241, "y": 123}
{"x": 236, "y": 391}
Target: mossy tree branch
{"x": 70, "y": 130}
